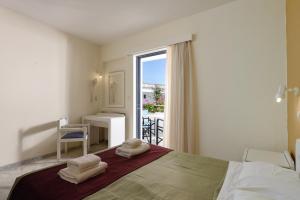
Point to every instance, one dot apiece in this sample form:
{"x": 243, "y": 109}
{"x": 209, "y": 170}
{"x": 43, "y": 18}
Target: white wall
{"x": 240, "y": 55}
{"x": 44, "y": 74}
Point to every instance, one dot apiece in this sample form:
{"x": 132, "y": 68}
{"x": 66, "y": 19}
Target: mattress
{"x": 171, "y": 175}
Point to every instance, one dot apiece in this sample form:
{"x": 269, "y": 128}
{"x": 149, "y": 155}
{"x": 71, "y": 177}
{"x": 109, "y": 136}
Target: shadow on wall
{"x": 70, "y": 94}
{"x": 24, "y": 152}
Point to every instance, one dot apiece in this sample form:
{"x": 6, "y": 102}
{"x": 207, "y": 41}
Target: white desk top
{"x": 110, "y": 115}
{"x": 103, "y": 116}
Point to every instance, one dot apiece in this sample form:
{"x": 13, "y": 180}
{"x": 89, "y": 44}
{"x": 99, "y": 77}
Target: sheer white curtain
{"x": 180, "y": 113}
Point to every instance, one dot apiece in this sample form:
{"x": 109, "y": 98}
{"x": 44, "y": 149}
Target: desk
{"x": 115, "y": 123}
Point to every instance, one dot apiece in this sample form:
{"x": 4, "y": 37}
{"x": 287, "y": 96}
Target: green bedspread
{"x": 175, "y": 176}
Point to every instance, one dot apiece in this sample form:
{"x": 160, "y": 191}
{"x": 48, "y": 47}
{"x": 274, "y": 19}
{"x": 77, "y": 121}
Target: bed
{"x": 157, "y": 174}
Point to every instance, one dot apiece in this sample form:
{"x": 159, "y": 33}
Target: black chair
{"x": 159, "y": 131}
{"x": 148, "y": 129}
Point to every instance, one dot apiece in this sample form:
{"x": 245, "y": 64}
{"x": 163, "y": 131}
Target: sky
{"x": 154, "y": 71}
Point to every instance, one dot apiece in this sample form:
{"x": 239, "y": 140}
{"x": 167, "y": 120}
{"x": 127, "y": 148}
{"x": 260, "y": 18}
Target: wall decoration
{"x": 116, "y": 89}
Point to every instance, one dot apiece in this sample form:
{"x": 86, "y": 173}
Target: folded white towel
{"x": 129, "y": 152}
{"x": 84, "y": 163}
{"x": 77, "y": 170}
{"x": 71, "y": 177}
{"x": 132, "y": 143}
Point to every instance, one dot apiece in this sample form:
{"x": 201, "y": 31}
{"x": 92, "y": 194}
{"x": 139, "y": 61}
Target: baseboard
{"x": 23, "y": 162}
{"x": 37, "y": 158}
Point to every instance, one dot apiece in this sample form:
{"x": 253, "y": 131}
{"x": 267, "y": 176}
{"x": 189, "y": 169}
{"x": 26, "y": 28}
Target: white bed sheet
{"x": 231, "y": 179}
{"x": 259, "y": 181}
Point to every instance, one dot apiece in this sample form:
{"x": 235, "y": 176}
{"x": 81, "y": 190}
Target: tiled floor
{"x": 8, "y": 176}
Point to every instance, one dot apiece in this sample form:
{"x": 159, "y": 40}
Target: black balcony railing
{"x": 152, "y": 130}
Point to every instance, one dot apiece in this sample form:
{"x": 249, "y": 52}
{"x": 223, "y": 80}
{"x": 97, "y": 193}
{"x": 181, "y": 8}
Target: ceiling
{"x": 103, "y": 21}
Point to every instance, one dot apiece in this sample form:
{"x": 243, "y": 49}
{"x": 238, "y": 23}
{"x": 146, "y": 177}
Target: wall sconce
{"x": 280, "y": 95}
{"x": 99, "y": 76}
{"x": 95, "y": 80}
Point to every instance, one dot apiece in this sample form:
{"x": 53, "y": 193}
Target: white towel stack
{"x": 82, "y": 168}
{"x": 132, "y": 147}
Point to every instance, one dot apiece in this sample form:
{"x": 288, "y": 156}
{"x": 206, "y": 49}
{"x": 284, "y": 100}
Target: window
{"x": 150, "y": 92}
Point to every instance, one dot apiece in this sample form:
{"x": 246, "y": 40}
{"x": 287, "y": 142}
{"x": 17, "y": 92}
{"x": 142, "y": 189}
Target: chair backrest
{"x": 160, "y": 123}
{"x": 146, "y": 120}
{"x": 62, "y": 122}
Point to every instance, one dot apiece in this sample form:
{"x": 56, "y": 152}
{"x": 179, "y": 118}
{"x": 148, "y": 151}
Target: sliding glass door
{"x": 150, "y": 96}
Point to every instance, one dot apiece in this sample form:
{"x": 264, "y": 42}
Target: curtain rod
{"x": 165, "y": 44}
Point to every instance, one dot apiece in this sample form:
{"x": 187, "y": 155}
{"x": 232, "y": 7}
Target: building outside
{"x": 148, "y": 93}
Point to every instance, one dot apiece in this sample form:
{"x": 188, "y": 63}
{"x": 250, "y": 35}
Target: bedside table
{"x": 282, "y": 159}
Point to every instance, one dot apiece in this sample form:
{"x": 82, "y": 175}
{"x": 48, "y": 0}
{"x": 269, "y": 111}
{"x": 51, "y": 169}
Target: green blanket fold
{"x": 175, "y": 176}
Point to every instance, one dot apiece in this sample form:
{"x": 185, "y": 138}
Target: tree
{"x": 157, "y": 93}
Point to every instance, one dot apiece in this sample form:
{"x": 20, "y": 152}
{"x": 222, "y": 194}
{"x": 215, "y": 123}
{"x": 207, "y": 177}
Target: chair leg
{"x": 89, "y": 138}
{"x": 150, "y": 135}
{"x": 66, "y": 147}
{"x": 84, "y": 147}
{"x": 58, "y": 151}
